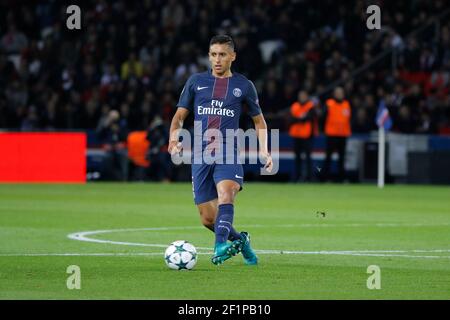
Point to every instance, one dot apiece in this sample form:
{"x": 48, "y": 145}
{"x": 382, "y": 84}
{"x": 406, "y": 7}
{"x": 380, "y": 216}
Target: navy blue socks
{"x": 223, "y": 227}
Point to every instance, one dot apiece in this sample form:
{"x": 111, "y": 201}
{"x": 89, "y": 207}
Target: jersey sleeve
{"x": 187, "y": 95}
{"x": 251, "y": 98}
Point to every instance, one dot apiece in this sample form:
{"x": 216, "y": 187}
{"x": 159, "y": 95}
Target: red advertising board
{"x": 43, "y": 157}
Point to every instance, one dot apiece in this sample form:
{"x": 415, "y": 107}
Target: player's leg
{"x": 229, "y": 180}
{"x": 223, "y": 227}
{"x": 227, "y": 191}
{"x": 205, "y": 196}
{"x": 208, "y": 212}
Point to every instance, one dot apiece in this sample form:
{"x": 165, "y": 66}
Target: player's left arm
{"x": 261, "y": 130}
{"x": 251, "y": 98}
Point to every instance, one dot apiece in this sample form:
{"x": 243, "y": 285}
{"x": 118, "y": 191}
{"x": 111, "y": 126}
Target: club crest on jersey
{"x": 237, "y": 92}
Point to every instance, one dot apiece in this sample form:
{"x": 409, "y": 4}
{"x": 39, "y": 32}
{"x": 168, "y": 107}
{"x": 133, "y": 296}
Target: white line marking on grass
{"x": 101, "y": 254}
{"x": 365, "y": 253}
{"x": 94, "y": 254}
{"x": 84, "y": 236}
{"x": 351, "y": 225}
{"x": 160, "y": 254}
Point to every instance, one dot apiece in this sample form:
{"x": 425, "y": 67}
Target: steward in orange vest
{"x": 302, "y": 126}
{"x": 337, "y": 129}
{"x": 302, "y": 130}
{"x": 337, "y": 122}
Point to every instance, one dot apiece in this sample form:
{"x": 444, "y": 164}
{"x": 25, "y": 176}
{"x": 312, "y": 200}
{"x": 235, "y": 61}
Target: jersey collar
{"x": 210, "y": 74}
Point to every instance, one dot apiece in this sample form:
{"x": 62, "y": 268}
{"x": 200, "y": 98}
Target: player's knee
{"x": 226, "y": 196}
{"x": 207, "y": 221}
{"x": 206, "y": 217}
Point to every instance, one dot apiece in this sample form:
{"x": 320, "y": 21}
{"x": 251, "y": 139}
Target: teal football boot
{"x": 243, "y": 245}
{"x": 222, "y": 252}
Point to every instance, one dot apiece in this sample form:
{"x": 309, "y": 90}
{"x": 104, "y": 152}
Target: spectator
{"x": 404, "y": 121}
{"x": 31, "y": 121}
{"x": 109, "y": 75}
{"x": 302, "y": 130}
{"x": 131, "y": 68}
{"x": 337, "y": 130}
{"x": 14, "y": 41}
{"x": 160, "y": 163}
{"x": 135, "y": 56}
{"x": 113, "y": 137}
{"x": 362, "y": 122}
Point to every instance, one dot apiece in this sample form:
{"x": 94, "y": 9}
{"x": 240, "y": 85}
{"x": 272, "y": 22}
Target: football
{"x": 181, "y": 255}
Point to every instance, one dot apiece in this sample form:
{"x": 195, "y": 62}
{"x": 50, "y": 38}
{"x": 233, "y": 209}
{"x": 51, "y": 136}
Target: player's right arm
{"x": 175, "y": 126}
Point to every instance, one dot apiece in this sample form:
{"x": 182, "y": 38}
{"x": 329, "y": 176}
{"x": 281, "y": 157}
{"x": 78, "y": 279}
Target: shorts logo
{"x": 237, "y": 92}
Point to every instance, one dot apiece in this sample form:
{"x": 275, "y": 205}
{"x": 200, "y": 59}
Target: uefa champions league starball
{"x": 181, "y": 255}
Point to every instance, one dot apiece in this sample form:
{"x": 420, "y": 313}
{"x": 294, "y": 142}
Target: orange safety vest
{"x": 137, "y": 148}
{"x": 337, "y": 123}
{"x": 301, "y": 129}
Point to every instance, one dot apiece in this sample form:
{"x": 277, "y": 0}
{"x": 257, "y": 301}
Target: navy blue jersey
{"x": 217, "y": 102}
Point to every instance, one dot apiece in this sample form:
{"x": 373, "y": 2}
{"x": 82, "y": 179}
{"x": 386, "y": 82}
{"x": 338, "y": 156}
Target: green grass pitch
{"x": 405, "y": 230}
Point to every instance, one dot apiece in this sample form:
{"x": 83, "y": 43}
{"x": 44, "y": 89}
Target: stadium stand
{"x": 134, "y": 57}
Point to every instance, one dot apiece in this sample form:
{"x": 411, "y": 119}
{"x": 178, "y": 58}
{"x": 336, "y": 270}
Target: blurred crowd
{"x": 134, "y": 57}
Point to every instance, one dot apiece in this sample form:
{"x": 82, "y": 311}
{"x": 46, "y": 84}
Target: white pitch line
{"x": 93, "y": 254}
{"x": 348, "y": 251}
{"x": 160, "y": 254}
{"x": 350, "y": 225}
{"x": 101, "y": 254}
{"x": 83, "y": 236}
{"x": 384, "y": 253}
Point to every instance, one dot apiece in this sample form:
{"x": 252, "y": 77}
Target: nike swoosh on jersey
{"x": 239, "y": 177}
{"x": 201, "y": 88}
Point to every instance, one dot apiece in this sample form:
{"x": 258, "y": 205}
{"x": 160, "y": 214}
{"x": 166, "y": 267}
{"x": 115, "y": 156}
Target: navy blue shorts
{"x": 205, "y": 177}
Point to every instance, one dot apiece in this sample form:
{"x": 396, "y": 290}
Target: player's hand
{"x": 267, "y": 158}
{"x": 174, "y": 147}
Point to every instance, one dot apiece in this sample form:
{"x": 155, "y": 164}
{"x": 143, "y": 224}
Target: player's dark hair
{"x": 222, "y": 39}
